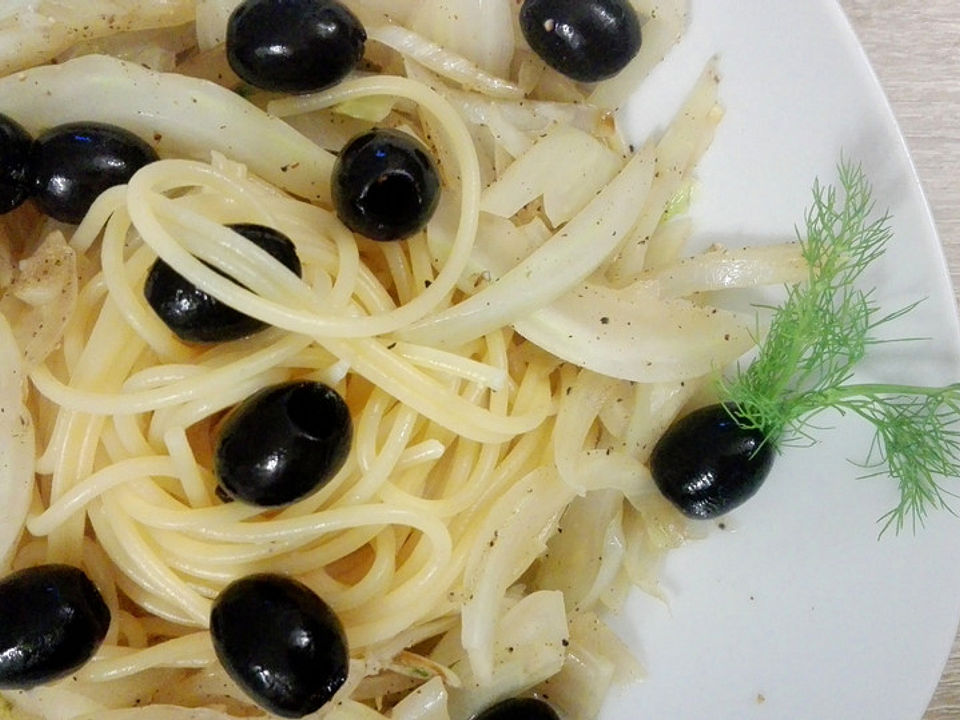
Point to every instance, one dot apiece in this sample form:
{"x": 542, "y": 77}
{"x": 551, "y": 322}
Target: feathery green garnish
{"x": 817, "y": 336}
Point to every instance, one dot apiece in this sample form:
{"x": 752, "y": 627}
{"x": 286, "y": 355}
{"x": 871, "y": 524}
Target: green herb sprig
{"x": 816, "y": 337}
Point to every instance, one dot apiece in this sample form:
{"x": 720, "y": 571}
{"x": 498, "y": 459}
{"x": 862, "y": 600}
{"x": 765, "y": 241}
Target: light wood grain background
{"x": 915, "y": 51}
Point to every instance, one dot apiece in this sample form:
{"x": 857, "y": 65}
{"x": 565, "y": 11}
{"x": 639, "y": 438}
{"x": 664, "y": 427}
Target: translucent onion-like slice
{"x": 566, "y": 167}
{"x": 60, "y": 702}
{"x": 529, "y": 648}
{"x": 578, "y": 561}
{"x": 427, "y": 702}
{"x": 481, "y": 30}
{"x": 34, "y": 31}
{"x": 722, "y": 269}
{"x": 154, "y": 106}
{"x": 157, "y": 49}
{"x": 42, "y": 298}
{"x": 17, "y": 453}
{"x": 212, "y": 16}
{"x": 530, "y": 116}
{"x": 157, "y": 712}
{"x": 580, "y": 688}
{"x": 350, "y": 710}
{"x": 555, "y": 268}
{"x": 596, "y": 659}
{"x": 634, "y": 334}
{"x": 513, "y": 536}
{"x": 443, "y": 61}
{"x": 663, "y": 23}
{"x": 375, "y": 11}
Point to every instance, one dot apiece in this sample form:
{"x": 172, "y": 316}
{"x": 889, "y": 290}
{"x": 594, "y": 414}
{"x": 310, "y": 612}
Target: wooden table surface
{"x": 915, "y": 51}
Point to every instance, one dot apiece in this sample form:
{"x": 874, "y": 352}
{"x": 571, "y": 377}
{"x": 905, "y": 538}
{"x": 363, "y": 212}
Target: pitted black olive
{"x": 74, "y": 163}
{"x": 519, "y": 709}
{"x": 195, "y": 316}
{"x": 16, "y": 147}
{"x": 707, "y": 463}
{"x": 293, "y": 46}
{"x": 52, "y": 620}
{"x": 280, "y": 642}
{"x": 385, "y": 185}
{"x": 283, "y": 443}
{"x": 587, "y": 40}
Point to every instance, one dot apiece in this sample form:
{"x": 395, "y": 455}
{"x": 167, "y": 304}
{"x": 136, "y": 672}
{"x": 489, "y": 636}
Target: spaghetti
{"x": 440, "y": 543}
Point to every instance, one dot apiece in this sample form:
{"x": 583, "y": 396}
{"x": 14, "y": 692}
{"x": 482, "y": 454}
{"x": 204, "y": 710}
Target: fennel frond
{"x": 817, "y": 336}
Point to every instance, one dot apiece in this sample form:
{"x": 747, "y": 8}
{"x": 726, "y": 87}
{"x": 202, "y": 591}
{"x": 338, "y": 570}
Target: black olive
{"x": 587, "y": 40}
{"x": 707, "y": 463}
{"x": 385, "y": 185}
{"x": 280, "y": 642}
{"x": 293, "y": 46}
{"x": 52, "y": 620}
{"x": 74, "y": 163}
{"x": 15, "y": 164}
{"x": 519, "y": 709}
{"x": 282, "y": 443}
{"x": 195, "y": 316}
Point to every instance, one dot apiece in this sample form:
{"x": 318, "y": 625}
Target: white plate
{"x": 797, "y": 611}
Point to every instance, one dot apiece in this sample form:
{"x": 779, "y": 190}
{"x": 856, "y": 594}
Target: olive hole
{"x": 313, "y": 413}
{"x": 392, "y": 197}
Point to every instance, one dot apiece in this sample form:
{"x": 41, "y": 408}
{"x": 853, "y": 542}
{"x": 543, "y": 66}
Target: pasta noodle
{"x": 500, "y": 393}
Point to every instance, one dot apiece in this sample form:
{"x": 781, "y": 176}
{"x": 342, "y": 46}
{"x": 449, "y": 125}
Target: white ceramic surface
{"x": 797, "y": 610}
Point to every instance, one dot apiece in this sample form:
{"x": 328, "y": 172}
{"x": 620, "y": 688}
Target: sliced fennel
{"x": 637, "y": 333}
{"x": 41, "y": 300}
{"x": 585, "y": 294}
{"x": 153, "y": 105}
{"x": 722, "y": 269}
{"x": 545, "y": 170}
{"x": 480, "y": 30}
{"x": 634, "y": 334}
{"x": 427, "y": 702}
{"x": 664, "y": 23}
{"x": 532, "y": 509}
{"x": 556, "y": 267}
{"x": 443, "y": 61}
{"x": 371, "y": 109}
{"x": 529, "y": 648}
{"x": 33, "y": 32}
{"x": 211, "y": 21}
{"x": 17, "y": 454}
